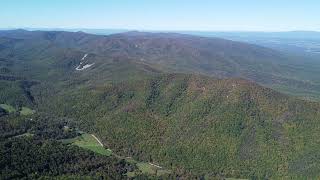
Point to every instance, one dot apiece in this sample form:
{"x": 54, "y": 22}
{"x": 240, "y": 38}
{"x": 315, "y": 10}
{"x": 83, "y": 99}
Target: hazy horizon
{"x": 151, "y": 30}
{"x": 174, "y": 15}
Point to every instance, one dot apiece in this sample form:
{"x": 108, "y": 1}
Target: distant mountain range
{"x": 297, "y": 42}
{"x": 305, "y": 43}
{"x": 186, "y": 53}
{"x": 252, "y": 34}
{"x": 305, "y": 35}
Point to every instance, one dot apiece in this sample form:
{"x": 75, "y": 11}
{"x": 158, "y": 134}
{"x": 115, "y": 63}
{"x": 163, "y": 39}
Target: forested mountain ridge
{"x": 171, "y": 52}
{"x": 148, "y": 96}
{"x": 230, "y": 128}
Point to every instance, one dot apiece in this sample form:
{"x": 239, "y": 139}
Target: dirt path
{"x": 120, "y": 156}
{"x": 97, "y": 140}
{"x": 155, "y": 165}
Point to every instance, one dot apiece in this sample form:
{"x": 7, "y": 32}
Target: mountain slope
{"x": 228, "y": 128}
{"x": 180, "y": 53}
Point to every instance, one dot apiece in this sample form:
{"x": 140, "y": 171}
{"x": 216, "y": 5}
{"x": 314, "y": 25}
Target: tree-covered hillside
{"x": 194, "y": 125}
{"x": 227, "y": 128}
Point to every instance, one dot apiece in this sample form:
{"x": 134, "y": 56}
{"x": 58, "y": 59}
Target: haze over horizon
{"x": 174, "y": 15}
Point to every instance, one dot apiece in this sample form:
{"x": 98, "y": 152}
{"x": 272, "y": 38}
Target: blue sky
{"x": 207, "y": 15}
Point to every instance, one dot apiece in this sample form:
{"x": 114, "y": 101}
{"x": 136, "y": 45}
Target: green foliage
{"x": 226, "y": 128}
{"x": 29, "y": 158}
{"x": 3, "y": 112}
{"x": 11, "y": 93}
{"x": 28, "y": 151}
{"x": 13, "y": 125}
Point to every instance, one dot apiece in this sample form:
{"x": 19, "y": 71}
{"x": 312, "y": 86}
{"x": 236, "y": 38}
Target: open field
{"x": 147, "y": 168}
{"x": 26, "y": 111}
{"x": 87, "y": 141}
{"x": 25, "y": 135}
{"x": 8, "y": 108}
{"x": 92, "y": 143}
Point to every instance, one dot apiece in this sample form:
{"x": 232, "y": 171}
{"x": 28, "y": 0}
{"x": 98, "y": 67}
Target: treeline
{"x": 15, "y": 93}
{"x": 3, "y": 112}
{"x": 40, "y": 126}
{"x": 13, "y": 125}
{"x": 29, "y": 158}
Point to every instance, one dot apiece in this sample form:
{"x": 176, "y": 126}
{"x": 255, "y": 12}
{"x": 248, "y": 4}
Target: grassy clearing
{"x": 86, "y": 141}
{"x": 25, "y": 135}
{"x": 131, "y": 174}
{"x": 163, "y": 172}
{"x": 8, "y": 108}
{"x": 26, "y": 111}
{"x": 146, "y": 168}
